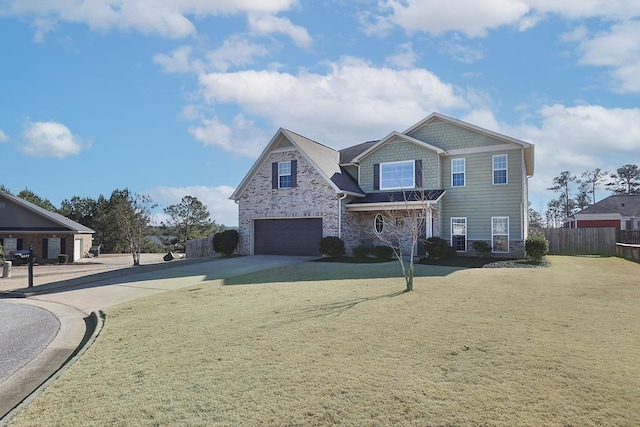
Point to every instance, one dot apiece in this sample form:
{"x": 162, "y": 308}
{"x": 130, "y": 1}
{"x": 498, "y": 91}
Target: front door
{"x": 425, "y": 227}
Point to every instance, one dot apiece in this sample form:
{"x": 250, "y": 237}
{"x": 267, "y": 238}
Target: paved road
{"x": 25, "y": 331}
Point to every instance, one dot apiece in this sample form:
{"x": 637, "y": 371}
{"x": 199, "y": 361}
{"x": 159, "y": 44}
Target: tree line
{"x": 577, "y": 193}
{"x": 122, "y": 221}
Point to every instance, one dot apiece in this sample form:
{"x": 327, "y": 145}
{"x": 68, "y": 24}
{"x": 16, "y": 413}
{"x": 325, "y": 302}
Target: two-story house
{"x": 469, "y": 182}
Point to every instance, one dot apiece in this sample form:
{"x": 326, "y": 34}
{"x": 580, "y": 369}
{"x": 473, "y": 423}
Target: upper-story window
{"x": 457, "y": 172}
{"x": 397, "y": 175}
{"x": 500, "y": 169}
{"x": 284, "y": 174}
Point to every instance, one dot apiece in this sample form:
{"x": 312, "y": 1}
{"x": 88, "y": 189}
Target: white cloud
{"x": 241, "y": 137}
{"x": 405, "y": 57}
{"x": 577, "y": 139}
{"x": 461, "y": 52}
{"x": 179, "y": 61}
{"x": 475, "y": 18}
{"x": 3, "y": 137}
{"x": 269, "y": 24}
{"x": 353, "y": 99}
{"x": 167, "y": 18}
{"x": 235, "y": 51}
{"x": 618, "y": 49}
{"x": 222, "y": 210}
{"x": 578, "y": 9}
{"x": 50, "y": 139}
{"x": 471, "y": 17}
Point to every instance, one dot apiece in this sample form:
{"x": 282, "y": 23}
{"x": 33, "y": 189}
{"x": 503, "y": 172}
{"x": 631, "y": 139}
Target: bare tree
{"x": 593, "y": 179}
{"x": 582, "y": 199}
{"x": 564, "y": 184}
{"x": 403, "y": 225}
{"x": 133, "y": 215}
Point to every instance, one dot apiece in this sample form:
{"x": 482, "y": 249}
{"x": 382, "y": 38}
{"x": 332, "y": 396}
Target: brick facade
{"x": 38, "y": 240}
{"x": 313, "y": 197}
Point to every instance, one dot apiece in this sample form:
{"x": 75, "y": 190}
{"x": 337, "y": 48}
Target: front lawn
{"x": 302, "y": 345}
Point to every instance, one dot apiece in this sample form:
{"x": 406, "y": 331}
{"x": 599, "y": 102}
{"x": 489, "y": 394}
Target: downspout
{"x": 344, "y": 196}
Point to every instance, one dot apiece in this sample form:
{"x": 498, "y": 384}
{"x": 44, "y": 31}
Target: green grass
{"x": 340, "y": 344}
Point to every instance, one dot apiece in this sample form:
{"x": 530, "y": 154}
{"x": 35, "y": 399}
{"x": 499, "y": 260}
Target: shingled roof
{"x": 627, "y": 205}
{"x": 63, "y": 221}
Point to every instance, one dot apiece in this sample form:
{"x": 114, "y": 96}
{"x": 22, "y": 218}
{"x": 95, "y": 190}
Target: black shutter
{"x": 19, "y": 246}
{"x": 274, "y": 175}
{"x": 418, "y": 172}
{"x": 63, "y": 245}
{"x": 376, "y": 176}
{"x": 294, "y": 173}
{"x": 45, "y": 249}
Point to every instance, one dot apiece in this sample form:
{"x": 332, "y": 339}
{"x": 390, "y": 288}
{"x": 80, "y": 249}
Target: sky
{"x": 178, "y": 97}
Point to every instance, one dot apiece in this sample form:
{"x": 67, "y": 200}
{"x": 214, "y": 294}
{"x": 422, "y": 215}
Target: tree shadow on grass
{"x": 335, "y": 309}
{"x": 328, "y": 271}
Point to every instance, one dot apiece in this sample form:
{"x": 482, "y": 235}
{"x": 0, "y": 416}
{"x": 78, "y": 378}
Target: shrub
{"x": 482, "y": 248}
{"x": 536, "y": 246}
{"x": 332, "y": 246}
{"x": 225, "y": 242}
{"x": 361, "y": 251}
{"x": 437, "y": 247}
{"x": 382, "y": 252}
{"x": 63, "y": 258}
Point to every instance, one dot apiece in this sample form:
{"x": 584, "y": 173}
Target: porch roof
{"x": 397, "y": 199}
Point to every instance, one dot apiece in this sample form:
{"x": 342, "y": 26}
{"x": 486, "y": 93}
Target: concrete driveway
{"x": 72, "y": 300}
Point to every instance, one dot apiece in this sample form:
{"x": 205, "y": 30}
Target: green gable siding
{"x": 399, "y": 151}
{"x": 479, "y": 199}
{"x": 353, "y": 171}
{"x": 449, "y": 137}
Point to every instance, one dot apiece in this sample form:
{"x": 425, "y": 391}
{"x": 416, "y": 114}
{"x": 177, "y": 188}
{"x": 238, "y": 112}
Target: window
{"x": 457, "y": 172}
{"x": 459, "y": 234}
{"x": 500, "y": 169}
{"x": 284, "y": 174}
{"x": 10, "y": 244}
{"x": 397, "y": 175}
{"x": 378, "y": 224}
{"x": 500, "y": 234}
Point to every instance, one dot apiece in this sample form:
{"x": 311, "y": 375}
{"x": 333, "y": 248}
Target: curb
{"x": 94, "y": 323}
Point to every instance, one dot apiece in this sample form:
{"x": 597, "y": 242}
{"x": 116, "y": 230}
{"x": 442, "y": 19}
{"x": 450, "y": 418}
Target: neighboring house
{"x": 470, "y": 182}
{"x": 619, "y": 211}
{"x": 23, "y": 224}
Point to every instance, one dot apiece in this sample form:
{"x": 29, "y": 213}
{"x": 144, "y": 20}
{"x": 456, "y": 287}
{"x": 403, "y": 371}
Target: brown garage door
{"x": 287, "y": 236}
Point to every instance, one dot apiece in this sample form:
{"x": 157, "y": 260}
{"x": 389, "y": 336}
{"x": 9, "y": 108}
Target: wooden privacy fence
{"x": 199, "y": 248}
{"x": 581, "y": 241}
{"x": 631, "y": 237}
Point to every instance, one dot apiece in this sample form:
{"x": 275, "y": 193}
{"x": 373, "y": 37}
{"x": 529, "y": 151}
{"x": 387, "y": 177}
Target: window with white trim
{"x": 459, "y": 234}
{"x": 457, "y": 172}
{"x": 499, "y": 169}
{"x": 397, "y": 175}
{"x": 500, "y": 234}
{"x": 284, "y": 174}
{"x": 378, "y": 224}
